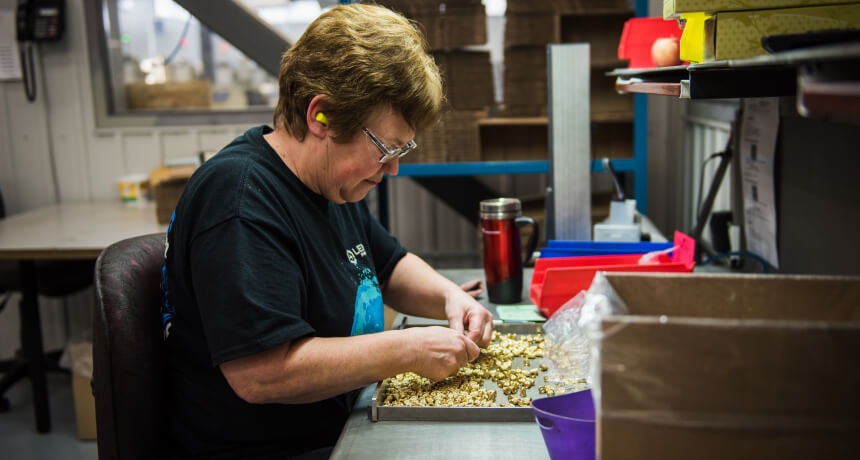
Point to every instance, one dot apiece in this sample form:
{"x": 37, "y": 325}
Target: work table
{"x": 363, "y": 439}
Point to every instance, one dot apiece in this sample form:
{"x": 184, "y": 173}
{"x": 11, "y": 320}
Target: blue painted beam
{"x": 498, "y": 167}
{"x": 473, "y": 168}
{"x": 620, "y": 165}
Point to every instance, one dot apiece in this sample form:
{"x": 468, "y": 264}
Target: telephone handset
{"x": 37, "y": 21}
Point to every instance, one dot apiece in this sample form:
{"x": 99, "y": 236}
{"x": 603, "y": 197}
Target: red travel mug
{"x": 501, "y": 219}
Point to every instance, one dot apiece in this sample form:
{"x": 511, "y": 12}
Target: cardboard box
{"x": 673, "y": 8}
{"x": 167, "y": 185}
{"x": 534, "y": 109}
{"x": 588, "y": 7}
{"x": 525, "y": 76}
{"x": 737, "y": 35}
{"x": 524, "y": 29}
{"x": 602, "y": 33}
{"x": 454, "y": 138}
{"x": 81, "y": 355}
{"x": 195, "y": 94}
{"x": 525, "y": 63}
{"x": 430, "y": 146}
{"x": 514, "y": 139}
{"x": 462, "y": 138}
{"x": 410, "y": 7}
{"x": 530, "y": 6}
{"x": 467, "y": 77}
{"x": 711, "y": 366}
{"x": 526, "y": 93}
{"x": 453, "y": 26}
{"x": 591, "y": 6}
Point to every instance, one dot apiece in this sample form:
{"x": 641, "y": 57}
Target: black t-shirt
{"x": 255, "y": 259}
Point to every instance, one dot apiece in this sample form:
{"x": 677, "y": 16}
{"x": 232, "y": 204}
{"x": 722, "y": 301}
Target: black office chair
{"x": 128, "y": 351}
{"x": 54, "y": 278}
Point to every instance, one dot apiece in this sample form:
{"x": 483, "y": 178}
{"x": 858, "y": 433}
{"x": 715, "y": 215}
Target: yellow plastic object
{"x": 693, "y": 39}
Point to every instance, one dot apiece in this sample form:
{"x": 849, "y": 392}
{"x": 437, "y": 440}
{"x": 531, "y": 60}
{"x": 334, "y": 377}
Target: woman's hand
{"x": 467, "y": 316}
{"x": 473, "y": 288}
{"x": 439, "y": 351}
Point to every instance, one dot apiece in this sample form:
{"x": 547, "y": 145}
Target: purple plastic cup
{"x": 567, "y": 425}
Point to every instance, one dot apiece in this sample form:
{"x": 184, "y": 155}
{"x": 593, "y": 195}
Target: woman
{"x": 275, "y": 269}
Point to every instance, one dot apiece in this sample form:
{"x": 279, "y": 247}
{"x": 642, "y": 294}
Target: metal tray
{"x": 466, "y": 414}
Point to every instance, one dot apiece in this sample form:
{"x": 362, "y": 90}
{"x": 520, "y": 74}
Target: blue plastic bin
{"x": 561, "y": 248}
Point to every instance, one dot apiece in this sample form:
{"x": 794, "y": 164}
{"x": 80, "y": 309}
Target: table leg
{"x": 31, "y": 344}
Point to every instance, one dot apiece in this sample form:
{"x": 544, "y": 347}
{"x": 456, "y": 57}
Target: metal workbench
{"x": 363, "y": 439}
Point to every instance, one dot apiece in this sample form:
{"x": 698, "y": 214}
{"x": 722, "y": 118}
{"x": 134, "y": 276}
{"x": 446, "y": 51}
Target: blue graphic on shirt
{"x": 368, "y": 316}
{"x": 167, "y": 310}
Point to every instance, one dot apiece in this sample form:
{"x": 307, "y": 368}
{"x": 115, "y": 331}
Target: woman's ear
{"x": 316, "y": 118}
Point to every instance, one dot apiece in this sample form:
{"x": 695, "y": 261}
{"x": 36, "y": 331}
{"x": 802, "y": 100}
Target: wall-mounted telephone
{"x": 40, "y": 20}
{"x": 37, "y": 21}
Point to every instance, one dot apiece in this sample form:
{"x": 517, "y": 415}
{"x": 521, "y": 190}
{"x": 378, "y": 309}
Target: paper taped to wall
{"x": 10, "y": 66}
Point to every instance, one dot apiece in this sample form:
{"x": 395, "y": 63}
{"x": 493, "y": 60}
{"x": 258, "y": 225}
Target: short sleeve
{"x": 249, "y": 288}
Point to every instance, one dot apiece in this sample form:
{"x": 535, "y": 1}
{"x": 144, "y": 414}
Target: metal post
{"x": 569, "y": 141}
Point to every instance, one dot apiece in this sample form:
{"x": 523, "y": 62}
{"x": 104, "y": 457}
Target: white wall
{"x": 52, "y": 151}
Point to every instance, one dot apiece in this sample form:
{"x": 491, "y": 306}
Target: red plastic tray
{"x": 639, "y": 35}
{"x": 556, "y": 280}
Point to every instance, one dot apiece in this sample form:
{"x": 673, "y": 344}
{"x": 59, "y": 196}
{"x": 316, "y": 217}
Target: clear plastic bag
{"x": 572, "y": 336}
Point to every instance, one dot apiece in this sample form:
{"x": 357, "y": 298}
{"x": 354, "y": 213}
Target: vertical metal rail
{"x": 569, "y": 194}
{"x": 640, "y": 137}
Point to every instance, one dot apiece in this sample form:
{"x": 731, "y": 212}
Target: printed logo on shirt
{"x": 358, "y": 250}
{"x": 368, "y": 316}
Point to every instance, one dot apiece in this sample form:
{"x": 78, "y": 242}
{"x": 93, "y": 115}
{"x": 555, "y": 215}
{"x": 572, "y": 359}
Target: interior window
{"x": 160, "y": 58}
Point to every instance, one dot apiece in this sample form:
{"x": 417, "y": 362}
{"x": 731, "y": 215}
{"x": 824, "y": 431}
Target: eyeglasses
{"x": 389, "y": 154}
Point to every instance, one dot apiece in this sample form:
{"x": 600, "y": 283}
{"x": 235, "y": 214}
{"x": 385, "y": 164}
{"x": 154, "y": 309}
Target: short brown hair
{"x": 362, "y": 57}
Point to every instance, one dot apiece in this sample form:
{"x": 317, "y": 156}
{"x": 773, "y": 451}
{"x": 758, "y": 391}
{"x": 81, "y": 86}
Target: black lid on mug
{"x": 501, "y": 208}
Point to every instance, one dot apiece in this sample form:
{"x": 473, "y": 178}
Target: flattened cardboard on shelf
{"x": 673, "y": 8}
{"x": 738, "y": 34}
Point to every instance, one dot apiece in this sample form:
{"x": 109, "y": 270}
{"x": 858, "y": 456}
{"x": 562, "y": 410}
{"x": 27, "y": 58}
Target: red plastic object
{"x": 639, "y": 35}
{"x": 556, "y": 280}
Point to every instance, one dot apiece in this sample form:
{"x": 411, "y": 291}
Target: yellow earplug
{"x": 321, "y": 118}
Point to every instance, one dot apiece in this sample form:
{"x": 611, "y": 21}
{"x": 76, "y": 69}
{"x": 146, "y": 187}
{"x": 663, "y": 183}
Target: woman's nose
{"x": 391, "y": 166}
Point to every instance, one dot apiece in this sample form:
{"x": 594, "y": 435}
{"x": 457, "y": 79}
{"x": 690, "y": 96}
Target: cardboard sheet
{"x": 715, "y": 366}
